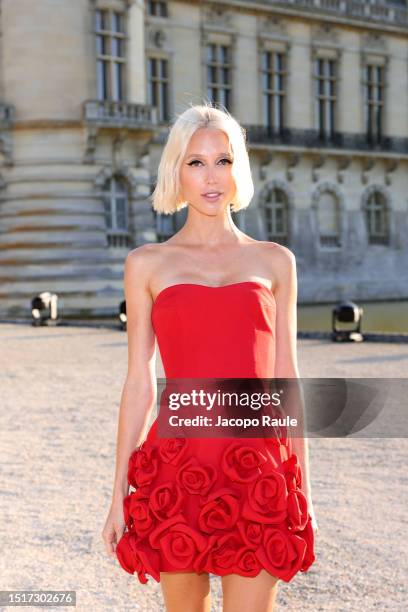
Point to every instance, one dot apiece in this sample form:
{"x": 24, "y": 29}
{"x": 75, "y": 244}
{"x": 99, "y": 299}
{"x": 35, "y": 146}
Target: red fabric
{"x": 218, "y": 505}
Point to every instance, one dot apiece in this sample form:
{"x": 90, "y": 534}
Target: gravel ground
{"x": 60, "y": 389}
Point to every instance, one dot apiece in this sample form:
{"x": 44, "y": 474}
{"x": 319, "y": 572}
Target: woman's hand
{"x": 114, "y": 527}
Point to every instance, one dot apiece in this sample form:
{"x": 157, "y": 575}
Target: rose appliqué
{"x": 221, "y": 511}
{"x": 143, "y": 465}
{"x": 195, "y": 477}
{"x": 267, "y": 499}
{"x": 242, "y": 463}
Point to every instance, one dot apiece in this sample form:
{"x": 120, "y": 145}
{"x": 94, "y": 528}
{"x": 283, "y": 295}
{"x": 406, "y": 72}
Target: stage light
{"x": 122, "y": 315}
{"x": 347, "y": 312}
{"x": 44, "y": 309}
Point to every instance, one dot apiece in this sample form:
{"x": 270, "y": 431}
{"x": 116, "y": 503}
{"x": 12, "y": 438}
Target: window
{"x": 158, "y": 86}
{"x": 276, "y": 216}
{"x": 325, "y": 105}
{"x": 157, "y": 8}
{"x": 219, "y": 74}
{"x": 377, "y": 218}
{"x": 273, "y": 89}
{"x": 374, "y": 101}
{"x": 110, "y": 55}
{"x": 115, "y": 199}
{"x": 328, "y": 218}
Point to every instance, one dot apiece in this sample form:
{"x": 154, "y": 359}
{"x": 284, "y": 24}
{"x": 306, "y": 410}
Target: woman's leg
{"x": 256, "y": 594}
{"x": 186, "y": 591}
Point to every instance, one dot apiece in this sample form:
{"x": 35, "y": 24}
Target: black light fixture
{"x": 122, "y": 315}
{"x": 44, "y": 309}
{"x": 347, "y": 312}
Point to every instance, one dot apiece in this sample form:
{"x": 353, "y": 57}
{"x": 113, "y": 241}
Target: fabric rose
{"x": 165, "y": 500}
{"x": 219, "y": 554}
{"x": 143, "y": 465}
{"x": 293, "y": 473}
{"x": 297, "y": 510}
{"x": 281, "y": 552}
{"x": 202, "y": 562}
{"x": 140, "y": 513}
{"x": 242, "y": 463}
{"x": 224, "y": 554}
{"x": 251, "y": 533}
{"x": 247, "y": 563}
{"x": 267, "y": 499}
{"x": 195, "y": 477}
{"x": 133, "y": 559}
{"x": 171, "y": 450}
{"x": 221, "y": 511}
{"x": 178, "y": 543}
{"x": 307, "y": 534}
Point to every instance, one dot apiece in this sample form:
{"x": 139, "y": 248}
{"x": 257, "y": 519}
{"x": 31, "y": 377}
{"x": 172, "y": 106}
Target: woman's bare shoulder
{"x": 143, "y": 262}
{"x": 140, "y": 261}
{"x": 279, "y": 260}
{"x": 145, "y": 253}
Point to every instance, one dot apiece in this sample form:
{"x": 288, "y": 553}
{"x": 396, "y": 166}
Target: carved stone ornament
{"x": 342, "y": 164}
{"x": 272, "y": 25}
{"x": 367, "y": 164}
{"x": 390, "y": 167}
{"x": 266, "y": 159}
{"x": 293, "y": 161}
{"x": 217, "y": 15}
{"x": 91, "y": 135}
{"x": 142, "y": 153}
{"x": 122, "y": 170}
{"x": 157, "y": 37}
{"x": 6, "y": 148}
{"x": 327, "y": 187}
{"x": 317, "y": 162}
{"x": 326, "y": 34}
{"x": 374, "y": 42}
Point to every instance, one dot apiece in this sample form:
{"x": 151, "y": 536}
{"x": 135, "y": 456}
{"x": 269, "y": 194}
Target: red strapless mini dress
{"x": 217, "y": 505}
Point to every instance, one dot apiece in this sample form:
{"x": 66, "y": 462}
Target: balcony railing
{"x": 392, "y": 12}
{"x": 259, "y": 134}
{"x": 119, "y": 114}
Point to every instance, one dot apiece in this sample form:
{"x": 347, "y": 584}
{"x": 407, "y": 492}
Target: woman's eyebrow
{"x": 198, "y": 155}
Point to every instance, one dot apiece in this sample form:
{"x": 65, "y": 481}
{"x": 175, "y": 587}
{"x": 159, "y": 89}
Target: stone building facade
{"x": 87, "y": 90}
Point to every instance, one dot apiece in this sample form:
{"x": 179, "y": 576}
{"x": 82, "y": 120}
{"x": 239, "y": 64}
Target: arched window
{"x": 376, "y": 212}
{"x": 328, "y": 219}
{"x": 116, "y": 203}
{"x": 275, "y": 208}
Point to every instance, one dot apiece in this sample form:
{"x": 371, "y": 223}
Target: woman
{"x": 221, "y": 305}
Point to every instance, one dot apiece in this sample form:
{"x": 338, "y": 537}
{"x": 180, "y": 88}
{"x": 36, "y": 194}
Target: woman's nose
{"x": 211, "y": 174}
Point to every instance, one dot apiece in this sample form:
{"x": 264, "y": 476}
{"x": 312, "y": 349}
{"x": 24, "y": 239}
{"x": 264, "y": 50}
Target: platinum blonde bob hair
{"x": 166, "y": 195}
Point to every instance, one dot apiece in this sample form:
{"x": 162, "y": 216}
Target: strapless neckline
{"x": 212, "y": 287}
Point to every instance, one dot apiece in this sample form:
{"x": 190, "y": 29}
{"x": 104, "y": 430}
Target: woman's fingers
{"x": 111, "y": 536}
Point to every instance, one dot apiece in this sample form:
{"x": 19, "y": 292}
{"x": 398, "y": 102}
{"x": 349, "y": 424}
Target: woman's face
{"x": 205, "y": 169}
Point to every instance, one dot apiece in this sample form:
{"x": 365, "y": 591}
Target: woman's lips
{"x": 212, "y": 198}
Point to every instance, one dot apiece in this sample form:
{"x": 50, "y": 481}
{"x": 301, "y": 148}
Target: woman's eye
{"x": 197, "y": 161}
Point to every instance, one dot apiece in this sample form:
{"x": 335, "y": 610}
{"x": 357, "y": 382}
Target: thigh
{"x": 186, "y": 591}
{"x": 256, "y": 593}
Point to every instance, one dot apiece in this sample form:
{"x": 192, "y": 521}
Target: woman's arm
{"x": 139, "y": 390}
{"x": 286, "y": 353}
